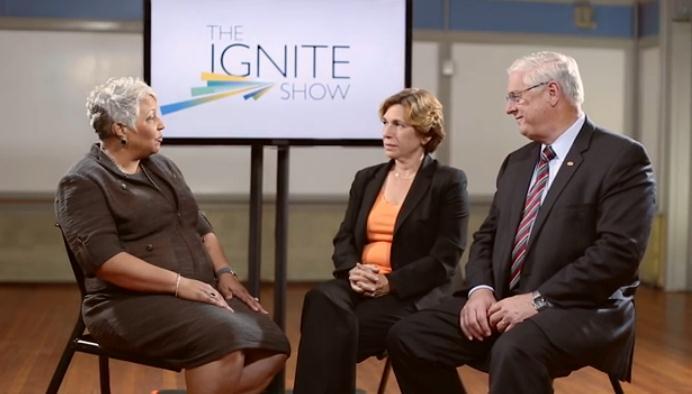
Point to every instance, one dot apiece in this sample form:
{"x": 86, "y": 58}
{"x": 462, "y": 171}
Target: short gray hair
{"x": 116, "y": 101}
{"x": 552, "y": 66}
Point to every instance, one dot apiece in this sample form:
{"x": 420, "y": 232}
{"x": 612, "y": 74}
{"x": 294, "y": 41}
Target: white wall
{"x": 650, "y": 92}
{"x": 47, "y": 75}
{"x": 484, "y": 134}
{"x": 43, "y": 85}
{"x": 678, "y": 269}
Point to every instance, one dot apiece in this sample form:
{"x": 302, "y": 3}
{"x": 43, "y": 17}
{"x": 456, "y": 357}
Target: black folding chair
{"x": 81, "y": 341}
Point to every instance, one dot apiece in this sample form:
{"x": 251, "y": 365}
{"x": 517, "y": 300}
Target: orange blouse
{"x": 380, "y": 232}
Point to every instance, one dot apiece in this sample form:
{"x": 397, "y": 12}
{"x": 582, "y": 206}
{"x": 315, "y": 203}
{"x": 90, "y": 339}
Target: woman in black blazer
{"x": 395, "y": 252}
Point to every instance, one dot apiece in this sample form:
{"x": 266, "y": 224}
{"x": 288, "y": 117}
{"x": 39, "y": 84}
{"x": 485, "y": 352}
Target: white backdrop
{"x": 484, "y": 134}
{"x": 46, "y": 76}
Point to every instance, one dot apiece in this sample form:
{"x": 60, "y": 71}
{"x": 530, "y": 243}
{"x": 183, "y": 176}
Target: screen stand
{"x": 280, "y": 242}
{"x": 255, "y": 238}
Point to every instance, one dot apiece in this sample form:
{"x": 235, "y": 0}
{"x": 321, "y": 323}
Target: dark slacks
{"x": 339, "y": 328}
{"x": 427, "y": 347}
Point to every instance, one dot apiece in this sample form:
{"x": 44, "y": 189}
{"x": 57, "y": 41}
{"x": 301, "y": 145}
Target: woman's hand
{"x": 231, "y": 287}
{"x": 356, "y": 275}
{"x": 195, "y": 290}
{"x": 365, "y": 279}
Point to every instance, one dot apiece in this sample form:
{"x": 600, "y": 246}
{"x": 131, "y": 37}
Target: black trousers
{"x": 427, "y": 347}
{"x": 339, "y": 328}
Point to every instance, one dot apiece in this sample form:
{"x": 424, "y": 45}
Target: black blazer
{"x": 588, "y": 240}
{"x": 429, "y": 233}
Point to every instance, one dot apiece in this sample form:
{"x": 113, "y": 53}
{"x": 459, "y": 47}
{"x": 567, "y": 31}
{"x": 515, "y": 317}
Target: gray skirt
{"x": 183, "y": 333}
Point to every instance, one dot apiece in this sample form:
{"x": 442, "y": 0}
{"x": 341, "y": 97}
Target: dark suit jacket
{"x": 429, "y": 233}
{"x": 587, "y": 242}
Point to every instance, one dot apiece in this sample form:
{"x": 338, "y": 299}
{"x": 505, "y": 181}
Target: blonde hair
{"x": 116, "y": 101}
{"x": 423, "y": 112}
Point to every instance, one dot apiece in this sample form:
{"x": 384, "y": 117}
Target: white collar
{"x": 563, "y": 143}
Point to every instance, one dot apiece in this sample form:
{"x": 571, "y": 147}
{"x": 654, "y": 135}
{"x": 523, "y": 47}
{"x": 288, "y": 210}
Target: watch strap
{"x": 225, "y": 270}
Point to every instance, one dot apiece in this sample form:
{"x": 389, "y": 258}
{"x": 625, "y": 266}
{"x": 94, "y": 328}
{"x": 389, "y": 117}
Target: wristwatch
{"x": 225, "y": 270}
{"x": 539, "y": 302}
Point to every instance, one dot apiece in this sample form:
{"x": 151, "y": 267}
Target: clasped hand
{"x": 482, "y": 315}
{"x": 365, "y": 279}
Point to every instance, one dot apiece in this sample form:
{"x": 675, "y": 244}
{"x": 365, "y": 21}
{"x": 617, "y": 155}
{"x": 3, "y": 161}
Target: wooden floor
{"x": 35, "y": 321}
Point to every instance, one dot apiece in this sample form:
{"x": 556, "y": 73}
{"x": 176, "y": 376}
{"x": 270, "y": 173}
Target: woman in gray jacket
{"x": 158, "y": 283}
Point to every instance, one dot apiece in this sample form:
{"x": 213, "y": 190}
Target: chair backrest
{"x": 76, "y": 268}
{"x": 84, "y": 342}
{"x": 629, "y": 291}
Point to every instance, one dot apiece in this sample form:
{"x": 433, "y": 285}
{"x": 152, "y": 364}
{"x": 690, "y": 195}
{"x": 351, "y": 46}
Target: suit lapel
{"x": 420, "y": 186}
{"x": 564, "y": 174}
{"x": 372, "y": 189}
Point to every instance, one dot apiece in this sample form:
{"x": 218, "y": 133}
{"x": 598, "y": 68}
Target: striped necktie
{"x": 531, "y": 206}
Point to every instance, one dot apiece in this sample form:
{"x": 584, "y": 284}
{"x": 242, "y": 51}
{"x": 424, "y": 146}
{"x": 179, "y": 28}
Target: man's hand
{"x": 473, "y": 317}
{"x": 509, "y": 312}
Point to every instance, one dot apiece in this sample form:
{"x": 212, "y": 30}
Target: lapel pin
{"x": 570, "y": 163}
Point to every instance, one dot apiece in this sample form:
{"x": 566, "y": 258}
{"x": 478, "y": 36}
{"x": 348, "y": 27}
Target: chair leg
{"x": 385, "y": 376}
{"x": 65, "y": 359}
{"x": 61, "y": 369}
{"x": 617, "y": 389}
{"x": 104, "y": 375}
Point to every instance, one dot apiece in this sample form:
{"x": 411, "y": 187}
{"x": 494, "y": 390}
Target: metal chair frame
{"x": 82, "y": 341}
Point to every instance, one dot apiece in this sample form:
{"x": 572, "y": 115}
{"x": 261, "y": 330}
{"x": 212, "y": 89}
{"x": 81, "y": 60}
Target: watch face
{"x": 540, "y": 303}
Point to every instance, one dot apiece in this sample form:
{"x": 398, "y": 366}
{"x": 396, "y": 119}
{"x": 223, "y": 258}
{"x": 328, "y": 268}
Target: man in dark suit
{"x": 551, "y": 269}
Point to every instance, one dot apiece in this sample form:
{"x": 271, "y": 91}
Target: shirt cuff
{"x": 478, "y": 288}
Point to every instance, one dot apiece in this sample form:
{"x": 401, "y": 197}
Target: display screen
{"x": 296, "y": 71}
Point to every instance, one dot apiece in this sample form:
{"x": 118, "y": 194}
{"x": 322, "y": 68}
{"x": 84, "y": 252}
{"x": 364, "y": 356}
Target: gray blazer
{"x": 151, "y": 215}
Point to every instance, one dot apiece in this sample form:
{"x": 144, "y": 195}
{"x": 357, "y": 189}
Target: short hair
{"x": 423, "y": 112}
{"x": 552, "y": 66}
{"x": 116, "y": 101}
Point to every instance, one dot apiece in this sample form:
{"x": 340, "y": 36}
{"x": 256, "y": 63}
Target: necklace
{"x": 118, "y": 165}
{"x": 399, "y": 175}
{"x": 407, "y": 176}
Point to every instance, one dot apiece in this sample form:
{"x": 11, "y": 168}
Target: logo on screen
{"x": 303, "y": 72}
{"x": 220, "y": 86}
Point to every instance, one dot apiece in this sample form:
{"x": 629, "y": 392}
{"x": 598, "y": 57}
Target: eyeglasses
{"x": 515, "y": 97}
